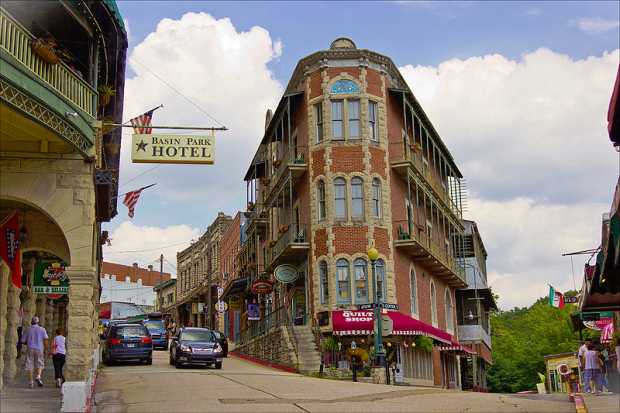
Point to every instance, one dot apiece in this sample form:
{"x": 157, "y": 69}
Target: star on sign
{"x": 142, "y": 145}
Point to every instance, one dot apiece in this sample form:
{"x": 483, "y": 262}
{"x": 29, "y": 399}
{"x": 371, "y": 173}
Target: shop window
{"x": 343, "y": 280}
{"x": 361, "y": 281}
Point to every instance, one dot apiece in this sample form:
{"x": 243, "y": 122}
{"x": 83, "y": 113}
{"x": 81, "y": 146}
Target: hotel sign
{"x": 165, "y": 148}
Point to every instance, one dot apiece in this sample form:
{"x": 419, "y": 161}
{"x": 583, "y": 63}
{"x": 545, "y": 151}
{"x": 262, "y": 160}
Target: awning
{"x": 235, "y": 287}
{"x": 361, "y": 322}
{"x": 458, "y": 347}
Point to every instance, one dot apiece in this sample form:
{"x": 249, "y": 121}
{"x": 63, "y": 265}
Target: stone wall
{"x": 275, "y": 347}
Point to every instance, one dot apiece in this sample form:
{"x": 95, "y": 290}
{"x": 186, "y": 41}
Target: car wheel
{"x": 149, "y": 361}
{"x": 218, "y": 366}
{"x": 177, "y": 364}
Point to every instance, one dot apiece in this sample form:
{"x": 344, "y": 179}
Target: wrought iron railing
{"x": 290, "y": 234}
{"x": 16, "y": 41}
{"x": 291, "y": 157}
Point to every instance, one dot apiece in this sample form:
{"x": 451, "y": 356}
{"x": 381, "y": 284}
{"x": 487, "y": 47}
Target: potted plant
{"x": 416, "y": 147}
{"x": 105, "y": 94}
{"x": 251, "y": 206}
{"x": 45, "y": 48}
{"x": 283, "y": 228}
{"x": 299, "y": 159}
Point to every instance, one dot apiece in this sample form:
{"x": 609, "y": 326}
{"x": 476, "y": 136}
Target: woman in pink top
{"x": 58, "y": 356}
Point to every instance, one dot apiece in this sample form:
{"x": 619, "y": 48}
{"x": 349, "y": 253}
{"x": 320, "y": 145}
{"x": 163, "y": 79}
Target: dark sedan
{"x": 127, "y": 342}
{"x": 221, "y": 338}
{"x": 196, "y": 346}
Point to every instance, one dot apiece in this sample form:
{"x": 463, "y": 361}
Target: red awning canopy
{"x": 361, "y": 322}
{"x": 456, "y": 346}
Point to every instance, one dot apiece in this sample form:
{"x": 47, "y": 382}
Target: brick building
{"x": 349, "y": 160}
{"x": 130, "y": 283}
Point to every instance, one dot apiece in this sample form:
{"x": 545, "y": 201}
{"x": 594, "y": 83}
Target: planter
{"x": 283, "y": 229}
{"x": 45, "y": 49}
{"x": 105, "y": 94}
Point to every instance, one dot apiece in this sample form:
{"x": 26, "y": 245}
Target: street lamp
{"x": 373, "y": 255}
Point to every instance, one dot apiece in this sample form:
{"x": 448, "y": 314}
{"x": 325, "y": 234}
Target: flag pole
{"x": 152, "y": 110}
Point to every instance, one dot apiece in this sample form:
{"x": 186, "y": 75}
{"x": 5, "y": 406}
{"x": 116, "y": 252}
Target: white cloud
{"x": 225, "y": 72}
{"x": 595, "y": 25}
{"x": 127, "y": 29}
{"x": 143, "y": 244}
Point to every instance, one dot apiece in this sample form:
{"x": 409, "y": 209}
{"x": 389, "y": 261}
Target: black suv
{"x": 197, "y": 346}
{"x": 127, "y": 342}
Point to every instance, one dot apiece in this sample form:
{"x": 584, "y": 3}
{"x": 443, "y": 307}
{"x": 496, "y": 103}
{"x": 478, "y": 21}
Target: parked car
{"x": 127, "y": 342}
{"x": 221, "y": 338}
{"x": 196, "y": 346}
{"x": 159, "y": 334}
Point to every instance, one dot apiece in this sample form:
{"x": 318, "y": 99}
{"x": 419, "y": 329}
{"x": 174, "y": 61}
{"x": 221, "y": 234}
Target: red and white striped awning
{"x": 457, "y": 347}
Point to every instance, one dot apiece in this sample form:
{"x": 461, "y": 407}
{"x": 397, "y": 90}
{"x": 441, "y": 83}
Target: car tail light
{"x": 146, "y": 340}
{"x": 114, "y": 341}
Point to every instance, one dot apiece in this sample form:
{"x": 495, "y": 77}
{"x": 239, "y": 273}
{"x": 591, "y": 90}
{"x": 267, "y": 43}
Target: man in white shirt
{"x": 580, "y": 354}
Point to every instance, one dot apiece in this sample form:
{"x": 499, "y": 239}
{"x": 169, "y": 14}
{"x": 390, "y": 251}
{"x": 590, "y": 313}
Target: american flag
{"x": 141, "y": 124}
{"x": 131, "y": 199}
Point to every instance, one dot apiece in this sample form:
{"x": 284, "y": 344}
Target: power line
{"x": 147, "y": 249}
{"x": 172, "y": 265}
{"x": 139, "y": 175}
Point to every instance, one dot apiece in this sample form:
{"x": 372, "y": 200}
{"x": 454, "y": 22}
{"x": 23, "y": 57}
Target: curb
{"x": 580, "y": 403}
{"x": 264, "y": 363}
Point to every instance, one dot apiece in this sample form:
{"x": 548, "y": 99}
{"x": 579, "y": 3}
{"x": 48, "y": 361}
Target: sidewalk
{"x": 605, "y": 403}
{"x": 18, "y": 397}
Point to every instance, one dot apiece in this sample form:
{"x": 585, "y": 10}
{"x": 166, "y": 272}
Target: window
{"x": 321, "y": 196}
{"x": 372, "y": 120}
{"x": 324, "y": 279}
{"x": 357, "y": 198}
{"x": 381, "y": 281}
{"x": 354, "y": 119}
{"x": 361, "y": 281}
{"x": 337, "y": 132}
{"x": 340, "y": 198}
{"x": 344, "y": 281}
{"x": 376, "y": 198}
{"x": 318, "y": 115}
{"x": 449, "y": 310}
{"x": 414, "y": 292}
{"x": 433, "y": 305}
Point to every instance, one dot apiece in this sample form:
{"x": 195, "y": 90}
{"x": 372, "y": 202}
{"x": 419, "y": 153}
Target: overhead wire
{"x": 148, "y": 249}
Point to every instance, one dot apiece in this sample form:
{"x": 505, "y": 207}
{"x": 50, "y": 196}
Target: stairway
{"x": 308, "y": 356}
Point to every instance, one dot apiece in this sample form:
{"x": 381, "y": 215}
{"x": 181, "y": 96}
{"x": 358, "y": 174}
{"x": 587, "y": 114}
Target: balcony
{"x": 430, "y": 254}
{"x": 257, "y": 219}
{"x": 414, "y": 161}
{"x": 294, "y": 163}
{"x": 15, "y": 42}
{"x": 292, "y": 245}
{"x": 474, "y": 332}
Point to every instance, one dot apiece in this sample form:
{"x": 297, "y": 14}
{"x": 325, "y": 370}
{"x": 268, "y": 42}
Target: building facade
{"x": 474, "y": 304}
{"x": 130, "y": 283}
{"x": 166, "y": 296}
{"x": 348, "y": 161}
{"x": 62, "y": 68}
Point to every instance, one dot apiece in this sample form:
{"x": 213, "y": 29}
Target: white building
{"x": 126, "y": 291}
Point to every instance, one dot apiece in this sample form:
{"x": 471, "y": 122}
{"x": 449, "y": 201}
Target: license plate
{"x": 202, "y": 350}
{"x": 131, "y": 345}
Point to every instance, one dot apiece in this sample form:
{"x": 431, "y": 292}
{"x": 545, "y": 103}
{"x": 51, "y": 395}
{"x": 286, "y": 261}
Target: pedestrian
{"x": 59, "y": 351}
{"x": 582, "y": 350}
{"x": 35, "y": 339}
{"x": 592, "y": 371}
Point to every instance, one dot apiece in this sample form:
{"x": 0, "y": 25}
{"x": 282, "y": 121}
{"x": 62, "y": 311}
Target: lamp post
{"x": 373, "y": 255}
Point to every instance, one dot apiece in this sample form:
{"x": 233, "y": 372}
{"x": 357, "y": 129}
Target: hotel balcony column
{"x": 4, "y": 288}
{"x": 12, "y": 318}
{"x": 80, "y": 323}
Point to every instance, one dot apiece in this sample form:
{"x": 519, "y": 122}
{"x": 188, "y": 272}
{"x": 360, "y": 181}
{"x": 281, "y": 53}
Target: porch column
{"x": 80, "y": 312}
{"x": 40, "y": 308}
{"x": 28, "y": 308}
{"x": 10, "y": 343}
{"x": 4, "y": 288}
{"x": 49, "y": 317}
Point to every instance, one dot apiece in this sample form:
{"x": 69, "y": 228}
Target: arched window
{"x": 449, "y": 310}
{"x": 340, "y": 198}
{"x": 381, "y": 281}
{"x": 324, "y": 280}
{"x": 433, "y": 304}
{"x": 343, "y": 280}
{"x": 376, "y": 198}
{"x": 321, "y": 197}
{"x": 414, "y": 292}
{"x": 357, "y": 197}
{"x": 361, "y": 281}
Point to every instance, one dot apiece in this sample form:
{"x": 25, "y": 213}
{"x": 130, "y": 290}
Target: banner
{"x": 556, "y": 298}
{"x": 180, "y": 149}
{"x": 50, "y": 278}
{"x": 253, "y": 312}
{"x": 9, "y": 248}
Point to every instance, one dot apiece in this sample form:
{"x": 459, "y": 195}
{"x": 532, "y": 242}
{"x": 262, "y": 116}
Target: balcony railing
{"x": 16, "y": 41}
{"x": 418, "y": 244}
{"x": 293, "y": 161}
{"x": 474, "y": 332}
{"x": 293, "y": 240}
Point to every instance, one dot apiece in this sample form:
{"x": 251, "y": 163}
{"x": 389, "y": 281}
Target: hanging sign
{"x": 253, "y": 312}
{"x": 221, "y": 307}
{"x": 164, "y": 148}
{"x": 286, "y": 273}
{"x": 50, "y": 278}
{"x": 234, "y": 302}
{"x": 262, "y": 287}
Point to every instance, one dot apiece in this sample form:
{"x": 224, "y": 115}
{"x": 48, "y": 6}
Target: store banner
{"x": 253, "y": 312}
{"x": 50, "y": 278}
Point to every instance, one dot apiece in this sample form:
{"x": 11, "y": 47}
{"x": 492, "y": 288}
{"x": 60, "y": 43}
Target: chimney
{"x": 150, "y": 268}
{"x": 135, "y": 265}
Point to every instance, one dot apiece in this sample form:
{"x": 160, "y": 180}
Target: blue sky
{"x": 517, "y": 90}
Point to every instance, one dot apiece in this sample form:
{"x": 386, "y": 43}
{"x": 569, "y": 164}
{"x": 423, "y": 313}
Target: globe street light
{"x": 373, "y": 255}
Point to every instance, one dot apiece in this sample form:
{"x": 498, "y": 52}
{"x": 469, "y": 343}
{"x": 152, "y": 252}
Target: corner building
{"x": 349, "y": 160}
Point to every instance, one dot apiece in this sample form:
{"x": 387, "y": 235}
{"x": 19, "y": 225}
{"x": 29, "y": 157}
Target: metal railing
{"x": 16, "y": 40}
{"x": 290, "y": 158}
{"x": 293, "y": 234}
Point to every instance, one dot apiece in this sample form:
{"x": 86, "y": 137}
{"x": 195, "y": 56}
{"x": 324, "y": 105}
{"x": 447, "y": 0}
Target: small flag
{"x": 131, "y": 199}
{"x": 556, "y": 298}
{"x": 9, "y": 248}
{"x": 141, "y": 124}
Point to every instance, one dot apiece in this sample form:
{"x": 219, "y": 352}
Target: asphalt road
{"x": 242, "y": 386}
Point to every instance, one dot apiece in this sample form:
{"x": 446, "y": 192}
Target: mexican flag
{"x": 556, "y": 299}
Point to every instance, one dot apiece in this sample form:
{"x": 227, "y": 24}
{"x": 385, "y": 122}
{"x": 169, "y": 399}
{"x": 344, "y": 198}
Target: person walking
{"x": 592, "y": 371}
{"x": 59, "y": 350}
{"x": 35, "y": 339}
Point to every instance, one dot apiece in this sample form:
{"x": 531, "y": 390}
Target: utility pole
{"x": 161, "y": 267}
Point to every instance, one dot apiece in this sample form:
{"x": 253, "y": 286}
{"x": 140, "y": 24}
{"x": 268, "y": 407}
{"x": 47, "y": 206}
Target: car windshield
{"x": 197, "y": 335}
{"x": 131, "y": 331}
{"x": 154, "y": 324}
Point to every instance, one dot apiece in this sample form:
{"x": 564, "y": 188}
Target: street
{"x": 242, "y": 386}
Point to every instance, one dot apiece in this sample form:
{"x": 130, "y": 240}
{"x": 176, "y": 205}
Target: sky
{"x": 518, "y": 91}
